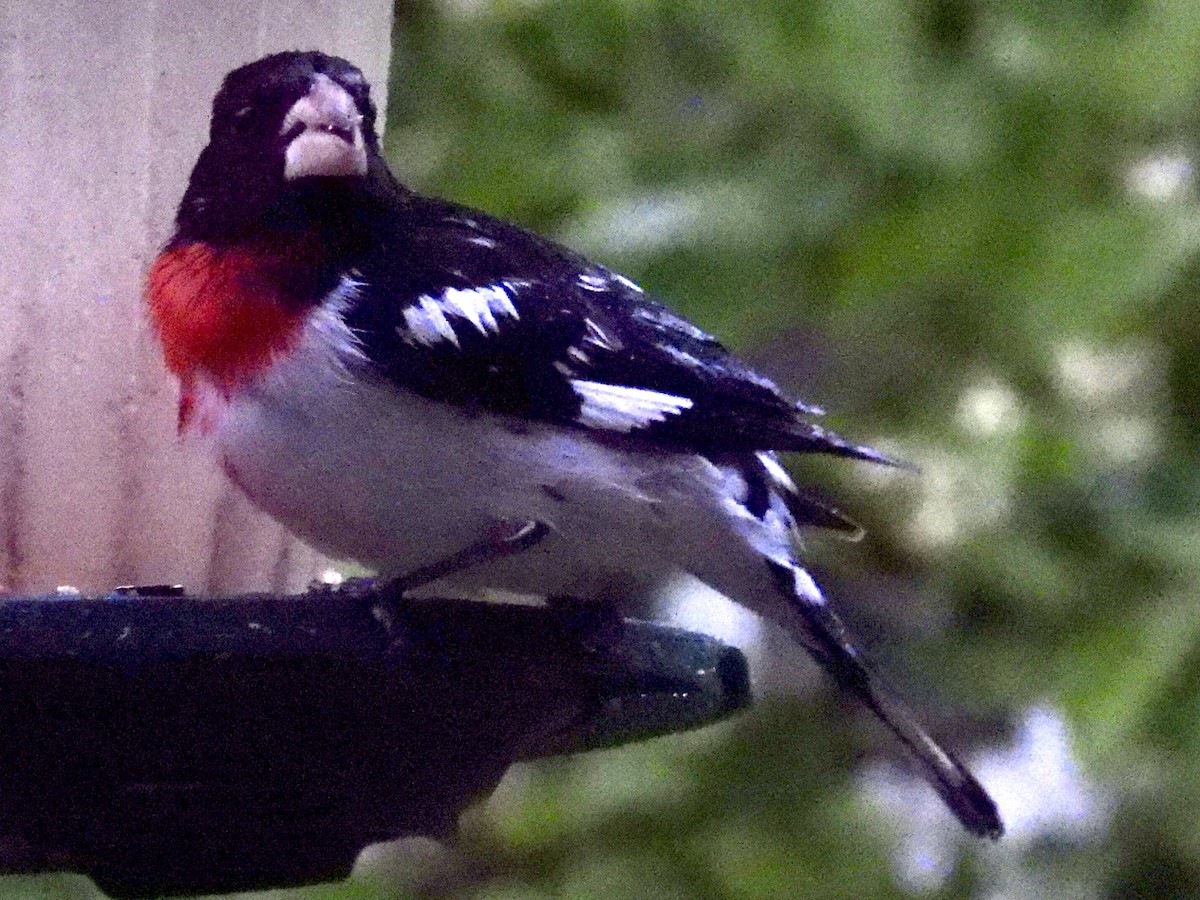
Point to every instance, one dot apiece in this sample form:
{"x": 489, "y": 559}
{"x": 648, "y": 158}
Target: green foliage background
{"x": 970, "y": 229}
{"x": 941, "y": 220}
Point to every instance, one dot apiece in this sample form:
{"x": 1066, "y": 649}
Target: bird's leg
{"x": 503, "y": 539}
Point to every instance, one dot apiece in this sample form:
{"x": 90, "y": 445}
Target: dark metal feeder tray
{"x": 165, "y": 744}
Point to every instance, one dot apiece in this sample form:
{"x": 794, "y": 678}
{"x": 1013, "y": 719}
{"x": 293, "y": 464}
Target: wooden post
{"x": 106, "y": 106}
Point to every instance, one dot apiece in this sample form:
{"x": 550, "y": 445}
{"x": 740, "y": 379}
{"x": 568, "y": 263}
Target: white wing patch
{"x": 775, "y": 470}
{"x": 427, "y": 322}
{"x": 598, "y": 337}
{"x": 480, "y": 306}
{"x": 636, "y": 288}
{"x": 615, "y": 407}
{"x": 601, "y": 279}
{"x": 591, "y": 281}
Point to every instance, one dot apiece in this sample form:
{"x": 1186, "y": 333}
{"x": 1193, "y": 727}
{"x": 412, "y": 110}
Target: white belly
{"x": 395, "y": 485}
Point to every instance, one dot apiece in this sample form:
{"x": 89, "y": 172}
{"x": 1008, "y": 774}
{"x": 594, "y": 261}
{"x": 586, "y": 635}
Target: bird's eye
{"x": 243, "y": 119}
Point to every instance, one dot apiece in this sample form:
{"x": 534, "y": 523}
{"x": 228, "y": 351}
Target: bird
{"x": 395, "y": 377}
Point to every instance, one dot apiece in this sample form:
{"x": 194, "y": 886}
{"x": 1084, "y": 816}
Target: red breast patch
{"x": 222, "y": 312}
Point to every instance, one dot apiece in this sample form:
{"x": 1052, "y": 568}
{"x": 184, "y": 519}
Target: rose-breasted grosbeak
{"x": 391, "y": 376}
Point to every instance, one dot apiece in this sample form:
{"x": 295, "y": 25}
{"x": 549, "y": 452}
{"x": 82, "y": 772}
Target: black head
{"x": 288, "y": 124}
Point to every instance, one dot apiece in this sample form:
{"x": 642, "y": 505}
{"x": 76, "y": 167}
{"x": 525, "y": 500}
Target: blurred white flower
{"x": 1039, "y": 787}
{"x": 1099, "y": 376}
{"x": 1126, "y": 440}
{"x": 1161, "y": 176}
{"x": 988, "y": 407}
{"x": 1014, "y": 50}
{"x": 687, "y": 602}
{"x": 1118, "y": 390}
{"x": 959, "y": 497}
{"x": 1041, "y": 793}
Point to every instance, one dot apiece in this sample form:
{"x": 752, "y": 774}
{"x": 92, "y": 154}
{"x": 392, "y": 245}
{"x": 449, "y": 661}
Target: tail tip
{"x": 974, "y": 807}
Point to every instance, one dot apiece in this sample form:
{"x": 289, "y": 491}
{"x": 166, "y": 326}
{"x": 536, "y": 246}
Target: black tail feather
{"x": 806, "y": 437}
{"x": 826, "y": 638}
{"x": 811, "y": 509}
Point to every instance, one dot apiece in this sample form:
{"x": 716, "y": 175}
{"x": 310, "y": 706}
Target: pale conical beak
{"x": 324, "y": 133}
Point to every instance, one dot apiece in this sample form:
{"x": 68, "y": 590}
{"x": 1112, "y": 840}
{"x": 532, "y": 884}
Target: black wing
{"x": 465, "y": 308}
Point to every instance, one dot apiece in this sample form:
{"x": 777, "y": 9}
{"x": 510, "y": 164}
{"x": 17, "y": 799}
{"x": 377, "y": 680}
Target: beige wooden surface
{"x": 105, "y": 107}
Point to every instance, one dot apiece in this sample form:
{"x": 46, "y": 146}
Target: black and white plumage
{"x": 427, "y": 371}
